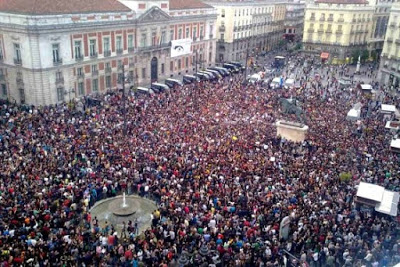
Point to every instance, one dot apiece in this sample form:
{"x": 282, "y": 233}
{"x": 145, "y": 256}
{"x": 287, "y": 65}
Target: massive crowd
{"x": 223, "y": 182}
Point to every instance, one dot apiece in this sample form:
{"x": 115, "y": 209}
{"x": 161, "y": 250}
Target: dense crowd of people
{"x": 223, "y": 182}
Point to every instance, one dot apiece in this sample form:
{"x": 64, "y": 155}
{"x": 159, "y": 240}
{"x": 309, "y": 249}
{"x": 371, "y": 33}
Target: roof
{"x": 343, "y": 2}
{"x": 187, "y": 4}
{"x": 47, "y": 7}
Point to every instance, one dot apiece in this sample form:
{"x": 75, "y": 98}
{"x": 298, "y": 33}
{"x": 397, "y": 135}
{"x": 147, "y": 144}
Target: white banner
{"x": 180, "y": 47}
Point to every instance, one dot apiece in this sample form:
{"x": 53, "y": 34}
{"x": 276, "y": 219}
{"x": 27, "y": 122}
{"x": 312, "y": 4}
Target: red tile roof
{"x": 344, "y": 2}
{"x": 186, "y": 4}
{"x": 46, "y": 7}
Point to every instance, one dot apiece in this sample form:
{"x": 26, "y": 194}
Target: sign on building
{"x": 180, "y": 47}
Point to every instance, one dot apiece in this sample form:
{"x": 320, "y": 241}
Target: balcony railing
{"x": 120, "y": 51}
{"x": 131, "y": 65}
{"x": 392, "y": 25}
{"x": 107, "y": 53}
{"x": 390, "y": 39}
{"x": 235, "y": 28}
{"x": 79, "y": 57}
{"x": 330, "y": 19}
{"x": 154, "y": 47}
{"x": 312, "y": 18}
{"x": 211, "y": 36}
{"x": 107, "y": 70}
{"x": 222, "y": 28}
{"x": 57, "y": 62}
{"x": 339, "y": 32}
{"x": 340, "y": 20}
{"x": 310, "y": 30}
{"x": 194, "y": 38}
{"x": 320, "y": 31}
{"x": 120, "y": 67}
{"x": 17, "y": 61}
{"x": 353, "y": 20}
{"x": 397, "y": 41}
{"x": 329, "y": 31}
{"x": 95, "y": 72}
{"x": 201, "y": 37}
{"x": 321, "y": 19}
{"x": 93, "y": 55}
{"x": 59, "y": 79}
{"x": 80, "y": 75}
{"x": 131, "y": 49}
{"x": 20, "y": 80}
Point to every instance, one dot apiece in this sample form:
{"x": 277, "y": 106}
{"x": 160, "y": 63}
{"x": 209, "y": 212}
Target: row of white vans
{"x": 209, "y": 74}
{"x": 276, "y": 83}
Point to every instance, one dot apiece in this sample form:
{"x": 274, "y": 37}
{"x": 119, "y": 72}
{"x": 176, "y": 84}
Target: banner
{"x": 180, "y": 47}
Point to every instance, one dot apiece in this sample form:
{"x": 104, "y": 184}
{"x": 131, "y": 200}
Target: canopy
{"x": 388, "y": 108}
{"x": 383, "y": 200}
{"x": 324, "y": 55}
{"x": 353, "y": 114}
{"x": 366, "y": 87}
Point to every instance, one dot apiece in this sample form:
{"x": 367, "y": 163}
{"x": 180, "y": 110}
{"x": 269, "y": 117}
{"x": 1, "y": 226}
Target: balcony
{"x": 120, "y": 51}
{"x": 392, "y": 25}
{"x": 80, "y": 75}
{"x": 20, "y": 80}
{"x": 211, "y": 36}
{"x": 330, "y": 19}
{"x": 390, "y": 39}
{"x": 59, "y": 80}
{"x": 354, "y": 20}
{"x": 131, "y": 49}
{"x": 57, "y": 61}
{"x": 93, "y": 55}
{"x": 154, "y": 47}
{"x": 201, "y": 37}
{"x": 320, "y": 31}
{"x": 310, "y": 30}
{"x": 322, "y": 19}
{"x": 131, "y": 65}
{"x": 107, "y": 70}
{"x": 95, "y": 72}
{"x": 79, "y": 57}
{"x": 339, "y": 32}
{"x": 235, "y": 28}
{"x": 328, "y": 31}
{"x": 120, "y": 67}
{"x": 107, "y": 53}
{"x": 341, "y": 20}
{"x": 222, "y": 28}
{"x": 17, "y": 61}
{"x": 312, "y": 18}
{"x": 194, "y": 38}
{"x": 397, "y": 41}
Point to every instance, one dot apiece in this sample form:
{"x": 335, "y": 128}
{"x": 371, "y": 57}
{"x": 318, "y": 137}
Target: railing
{"x": 312, "y": 18}
{"x": 107, "y": 70}
{"x": 57, "y": 62}
{"x": 131, "y": 65}
{"x": 353, "y": 20}
{"x": 59, "y": 79}
{"x": 310, "y": 30}
{"x": 392, "y": 25}
{"x": 120, "y": 67}
{"x": 320, "y": 31}
{"x": 20, "y": 80}
{"x": 107, "y": 53}
{"x": 154, "y": 47}
{"x": 339, "y": 32}
{"x": 131, "y": 49}
{"x": 1, "y": 58}
{"x": 330, "y": 19}
{"x": 17, "y": 61}
{"x": 397, "y": 41}
{"x": 93, "y": 55}
{"x": 340, "y": 20}
{"x": 80, "y": 75}
{"x": 211, "y": 36}
{"x": 222, "y": 28}
{"x": 329, "y": 31}
{"x": 120, "y": 51}
{"x": 321, "y": 19}
{"x": 79, "y": 57}
{"x": 390, "y": 39}
{"x": 95, "y": 72}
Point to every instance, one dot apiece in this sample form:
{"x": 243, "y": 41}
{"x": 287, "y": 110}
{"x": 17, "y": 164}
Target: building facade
{"x": 294, "y": 21}
{"x": 389, "y": 72}
{"x": 337, "y": 28}
{"x": 50, "y": 54}
{"x": 247, "y": 26}
{"x": 380, "y": 23}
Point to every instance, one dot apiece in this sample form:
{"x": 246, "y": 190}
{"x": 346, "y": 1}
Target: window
{"x": 22, "y": 95}
{"x": 223, "y": 13}
{"x": 3, "y": 89}
{"x": 130, "y": 41}
{"x": 81, "y": 88}
{"x": 118, "y": 43}
{"x": 94, "y": 68}
{"x": 154, "y": 38}
{"x": 171, "y": 35}
{"x": 17, "y": 53}
{"x": 95, "y": 85}
{"x": 143, "y": 73}
{"x": 222, "y": 36}
{"x": 56, "y": 53}
{"x": 78, "y": 49}
{"x": 340, "y": 27}
{"x": 171, "y": 66}
{"x": 106, "y": 44}
{"x": 211, "y": 31}
{"x": 108, "y": 82}
{"x": 143, "y": 41}
{"x": 163, "y": 37}
{"x": 162, "y": 68}
{"x": 201, "y": 31}
{"x": 179, "y": 64}
{"x": 180, "y": 34}
{"x": 120, "y": 78}
{"x": 60, "y": 94}
{"x": 187, "y": 62}
{"x": 108, "y": 65}
{"x": 187, "y": 33}
{"x": 79, "y": 71}
{"x": 59, "y": 76}
{"x": 92, "y": 47}
{"x": 1, "y": 51}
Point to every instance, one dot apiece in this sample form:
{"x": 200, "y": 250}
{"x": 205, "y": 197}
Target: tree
{"x": 364, "y": 55}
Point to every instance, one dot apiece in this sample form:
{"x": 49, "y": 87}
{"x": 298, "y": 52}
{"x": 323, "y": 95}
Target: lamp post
{"x": 68, "y": 92}
{"x": 123, "y": 98}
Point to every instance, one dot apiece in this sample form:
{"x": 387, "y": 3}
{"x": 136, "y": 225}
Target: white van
{"x": 289, "y": 83}
{"x": 255, "y": 78}
{"x": 276, "y": 83}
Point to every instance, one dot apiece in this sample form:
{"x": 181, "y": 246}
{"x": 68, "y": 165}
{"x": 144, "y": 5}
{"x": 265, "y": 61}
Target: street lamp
{"x": 68, "y": 92}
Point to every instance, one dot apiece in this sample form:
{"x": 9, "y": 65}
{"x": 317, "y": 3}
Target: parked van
{"x": 215, "y": 72}
{"x": 276, "y": 83}
{"x": 188, "y": 79}
{"x": 289, "y": 83}
{"x": 255, "y": 78}
{"x": 172, "y": 83}
{"x": 210, "y": 75}
{"x": 223, "y": 71}
{"x": 159, "y": 87}
{"x": 202, "y": 76}
{"x": 144, "y": 91}
{"x": 231, "y": 68}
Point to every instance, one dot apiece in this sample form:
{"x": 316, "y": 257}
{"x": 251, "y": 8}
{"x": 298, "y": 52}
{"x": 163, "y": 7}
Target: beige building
{"x": 389, "y": 73}
{"x": 247, "y": 25}
{"x": 294, "y": 21}
{"x": 53, "y": 53}
{"x": 336, "y": 29}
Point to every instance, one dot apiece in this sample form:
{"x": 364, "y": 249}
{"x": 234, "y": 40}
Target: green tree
{"x": 364, "y": 55}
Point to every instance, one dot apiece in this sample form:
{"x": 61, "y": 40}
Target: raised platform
{"x": 292, "y": 131}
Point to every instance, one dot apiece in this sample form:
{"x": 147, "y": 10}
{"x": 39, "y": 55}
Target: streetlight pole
{"x": 196, "y": 61}
{"x": 123, "y": 98}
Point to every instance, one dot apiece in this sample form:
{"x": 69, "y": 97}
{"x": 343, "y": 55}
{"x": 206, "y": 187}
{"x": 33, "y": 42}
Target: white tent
{"x": 383, "y": 200}
{"x": 395, "y": 145}
{"x": 366, "y": 87}
{"x": 353, "y": 114}
{"x": 388, "y": 109}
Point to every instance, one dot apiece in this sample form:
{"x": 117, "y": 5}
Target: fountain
{"x": 124, "y": 208}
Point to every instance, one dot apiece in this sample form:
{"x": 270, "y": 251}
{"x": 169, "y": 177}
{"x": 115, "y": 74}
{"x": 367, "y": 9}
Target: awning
{"x": 324, "y": 55}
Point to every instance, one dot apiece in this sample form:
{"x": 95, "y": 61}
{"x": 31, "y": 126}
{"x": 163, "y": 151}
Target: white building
{"x": 52, "y": 53}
